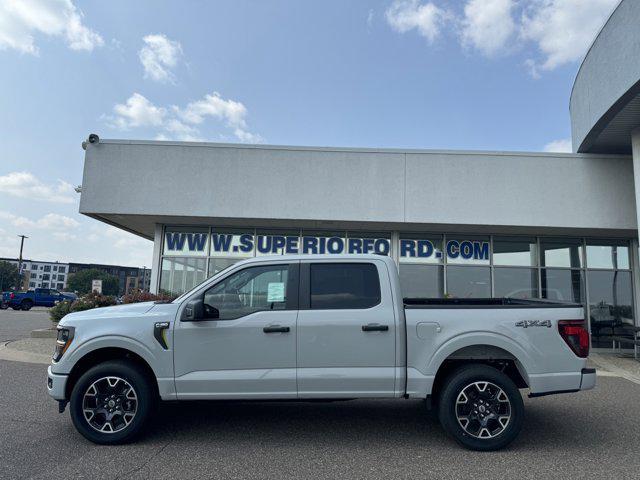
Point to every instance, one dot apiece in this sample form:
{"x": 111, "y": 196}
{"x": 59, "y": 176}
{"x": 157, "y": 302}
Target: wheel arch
{"x": 491, "y": 353}
{"x": 104, "y": 354}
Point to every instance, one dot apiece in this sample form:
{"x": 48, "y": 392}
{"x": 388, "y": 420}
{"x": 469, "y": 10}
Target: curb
{"x": 22, "y": 356}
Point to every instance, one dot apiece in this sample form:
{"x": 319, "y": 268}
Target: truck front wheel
{"x": 111, "y": 402}
{"x": 26, "y": 305}
{"x": 481, "y": 408}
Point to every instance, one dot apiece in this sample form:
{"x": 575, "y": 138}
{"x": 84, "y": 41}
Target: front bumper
{"x": 56, "y": 385}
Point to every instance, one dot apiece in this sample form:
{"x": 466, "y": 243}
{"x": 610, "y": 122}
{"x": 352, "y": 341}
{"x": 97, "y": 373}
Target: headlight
{"x": 65, "y": 337}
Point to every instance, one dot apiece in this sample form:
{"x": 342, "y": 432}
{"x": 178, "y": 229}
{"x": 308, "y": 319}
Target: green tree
{"x": 9, "y": 276}
{"x": 81, "y": 282}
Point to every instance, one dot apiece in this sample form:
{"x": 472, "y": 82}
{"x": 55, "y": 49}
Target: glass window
{"x": 608, "y": 256}
{"x": 216, "y": 265}
{"x": 248, "y": 291}
{"x": 561, "y": 253}
{"x": 181, "y": 274}
{"x": 344, "y": 285}
{"x": 515, "y": 282}
{"x": 416, "y": 248}
{"x": 32, "y": 284}
{"x": 45, "y": 276}
{"x": 421, "y": 281}
{"x": 610, "y": 306}
{"x": 467, "y": 250}
{"x": 562, "y": 285}
{"x": 33, "y": 275}
{"x": 34, "y": 266}
{"x": 61, "y": 278}
{"x": 55, "y": 268}
{"x": 62, "y": 269}
{"x": 514, "y": 251}
{"x": 368, "y": 242}
{"x": 47, "y": 268}
{"x": 186, "y": 241}
{"x": 323, "y": 242}
{"x": 468, "y": 282}
{"x": 60, "y": 286}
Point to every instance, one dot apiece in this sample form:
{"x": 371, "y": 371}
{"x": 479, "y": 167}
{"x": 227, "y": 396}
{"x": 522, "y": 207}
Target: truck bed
{"x": 505, "y": 302}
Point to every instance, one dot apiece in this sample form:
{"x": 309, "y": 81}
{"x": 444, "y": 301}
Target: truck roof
{"x": 326, "y": 257}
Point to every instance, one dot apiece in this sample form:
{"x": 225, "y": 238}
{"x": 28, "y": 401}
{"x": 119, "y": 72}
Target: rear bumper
{"x": 585, "y": 380}
{"x": 588, "y": 379}
{"x": 56, "y": 385}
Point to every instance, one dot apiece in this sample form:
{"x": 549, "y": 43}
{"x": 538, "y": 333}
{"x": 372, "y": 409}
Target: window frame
{"x": 304, "y": 302}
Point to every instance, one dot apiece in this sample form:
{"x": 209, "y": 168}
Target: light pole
{"x": 22, "y": 237}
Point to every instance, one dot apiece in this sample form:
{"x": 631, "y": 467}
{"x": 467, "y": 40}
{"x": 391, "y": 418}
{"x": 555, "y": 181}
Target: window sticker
{"x": 275, "y": 292}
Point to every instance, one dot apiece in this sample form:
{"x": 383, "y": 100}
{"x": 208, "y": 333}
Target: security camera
{"x": 93, "y": 138}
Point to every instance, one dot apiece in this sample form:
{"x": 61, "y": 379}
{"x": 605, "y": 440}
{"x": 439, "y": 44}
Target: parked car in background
{"x": 39, "y": 297}
{"x": 319, "y": 328}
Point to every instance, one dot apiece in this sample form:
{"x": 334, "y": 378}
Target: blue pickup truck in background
{"x": 39, "y": 297}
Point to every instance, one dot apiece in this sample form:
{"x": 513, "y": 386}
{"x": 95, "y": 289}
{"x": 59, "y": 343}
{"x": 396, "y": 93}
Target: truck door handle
{"x": 374, "y": 327}
{"x": 275, "y": 329}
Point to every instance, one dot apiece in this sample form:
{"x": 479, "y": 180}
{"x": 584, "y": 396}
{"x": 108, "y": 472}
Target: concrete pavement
{"x": 594, "y": 434}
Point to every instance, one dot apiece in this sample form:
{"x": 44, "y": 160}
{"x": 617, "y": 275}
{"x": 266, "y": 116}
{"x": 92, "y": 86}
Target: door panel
{"x": 336, "y": 357}
{"x": 236, "y": 358}
{"x": 246, "y": 345}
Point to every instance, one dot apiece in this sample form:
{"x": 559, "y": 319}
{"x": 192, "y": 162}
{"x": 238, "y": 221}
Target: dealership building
{"x": 457, "y": 223}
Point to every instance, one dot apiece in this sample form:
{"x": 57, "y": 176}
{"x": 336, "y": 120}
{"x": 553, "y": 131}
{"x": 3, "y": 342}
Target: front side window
{"x": 248, "y": 291}
{"x": 344, "y": 286}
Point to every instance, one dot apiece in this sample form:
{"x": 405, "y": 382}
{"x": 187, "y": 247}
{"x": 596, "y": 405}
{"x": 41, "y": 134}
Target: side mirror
{"x": 193, "y": 311}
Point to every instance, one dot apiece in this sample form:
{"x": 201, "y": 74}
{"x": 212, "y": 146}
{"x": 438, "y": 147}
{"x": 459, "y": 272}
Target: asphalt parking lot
{"x": 593, "y": 434}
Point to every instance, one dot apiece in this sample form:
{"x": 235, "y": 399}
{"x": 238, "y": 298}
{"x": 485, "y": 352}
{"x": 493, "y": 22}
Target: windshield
{"x": 188, "y": 292}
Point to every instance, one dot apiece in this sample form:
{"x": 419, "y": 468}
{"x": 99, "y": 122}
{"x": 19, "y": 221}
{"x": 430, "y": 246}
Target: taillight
{"x": 576, "y": 336}
{"x": 12, "y": 295}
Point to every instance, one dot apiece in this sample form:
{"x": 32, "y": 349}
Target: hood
{"x": 116, "y": 311}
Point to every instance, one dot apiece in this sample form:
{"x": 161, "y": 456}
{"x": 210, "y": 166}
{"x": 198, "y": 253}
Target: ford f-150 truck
{"x": 39, "y": 297}
{"x": 308, "y": 327}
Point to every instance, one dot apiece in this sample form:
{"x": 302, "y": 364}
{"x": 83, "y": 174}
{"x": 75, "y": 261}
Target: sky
{"x": 431, "y": 74}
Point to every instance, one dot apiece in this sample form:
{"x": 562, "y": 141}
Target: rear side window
{"x": 344, "y": 286}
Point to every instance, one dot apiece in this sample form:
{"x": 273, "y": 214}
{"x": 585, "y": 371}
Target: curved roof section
{"x": 605, "y": 100}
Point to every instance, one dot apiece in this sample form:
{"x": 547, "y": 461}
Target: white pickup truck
{"x": 318, "y": 327}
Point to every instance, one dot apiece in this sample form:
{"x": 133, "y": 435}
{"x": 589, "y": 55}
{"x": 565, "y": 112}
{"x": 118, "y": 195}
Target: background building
{"x": 40, "y": 274}
{"x": 457, "y": 223}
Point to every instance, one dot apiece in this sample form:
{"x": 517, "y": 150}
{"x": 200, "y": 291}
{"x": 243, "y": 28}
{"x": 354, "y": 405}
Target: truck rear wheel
{"x": 481, "y": 408}
{"x": 111, "y": 402}
{"x": 26, "y": 305}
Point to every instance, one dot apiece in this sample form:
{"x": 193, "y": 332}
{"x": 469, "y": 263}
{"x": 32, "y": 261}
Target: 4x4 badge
{"x": 534, "y": 323}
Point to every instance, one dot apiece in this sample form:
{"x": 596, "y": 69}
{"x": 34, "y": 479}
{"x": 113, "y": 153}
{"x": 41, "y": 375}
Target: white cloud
{"x": 51, "y": 221}
{"x": 26, "y": 185}
{"x": 551, "y": 32}
{"x": 562, "y": 146}
{"x": 137, "y": 112}
{"x": 159, "y": 56}
{"x": 183, "y": 123}
{"x": 488, "y": 25}
{"x": 406, "y": 15}
{"x": 564, "y": 29}
{"x": 214, "y": 105}
{"x": 20, "y": 20}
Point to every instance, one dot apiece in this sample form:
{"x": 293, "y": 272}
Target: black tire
{"x": 145, "y": 401}
{"x": 26, "y": 305}
{"x": 3, "y": 306}
{"x": 464, "y": 379}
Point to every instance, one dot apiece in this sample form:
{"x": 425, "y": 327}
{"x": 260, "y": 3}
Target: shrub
{"x": 137, "y": 297}
{"x": 86, "y": 302}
